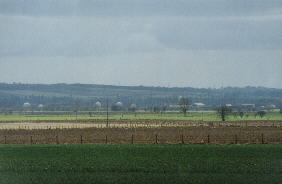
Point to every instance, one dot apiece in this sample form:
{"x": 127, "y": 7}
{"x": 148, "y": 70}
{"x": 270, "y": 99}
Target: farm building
{"x": 98, "y": 105}
{"x": 26, "y": 105}
{"x": 199, "y": 106}
{"x": 248, "y": 107}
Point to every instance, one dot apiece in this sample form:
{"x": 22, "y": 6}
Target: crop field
{"x": 126, "y": 123}
{"x": 126, "y": 164}
{"x": 143, "y": 135}
{"x": 137, "y": 129}
{"x": 140, "y": 148}
{"x": 195, "y": 116}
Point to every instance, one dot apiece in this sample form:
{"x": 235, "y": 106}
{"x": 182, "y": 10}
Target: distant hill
{"x": 65, "y": 96}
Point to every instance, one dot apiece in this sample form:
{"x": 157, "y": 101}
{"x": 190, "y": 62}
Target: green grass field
{"x": 122, "y": 164}
{"x": 204, "y": 115}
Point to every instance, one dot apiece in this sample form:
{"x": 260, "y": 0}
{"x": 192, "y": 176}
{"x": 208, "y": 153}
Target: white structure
{"x": 248, "y": 105}
{"x": 98, "y": 105}
{"x": 199, "y": 104}
{"x": 26, "y": 105}
{"x": 271, "y": 106}
{"x": 179, "y": 98}
{"x": 40, "y": 106}
{"x": 119, "y": 104}
{"x": 133, "y": 106}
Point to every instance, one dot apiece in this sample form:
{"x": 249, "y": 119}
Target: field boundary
{"x": 133, "y": 139}
{"x": 63, "y": 124}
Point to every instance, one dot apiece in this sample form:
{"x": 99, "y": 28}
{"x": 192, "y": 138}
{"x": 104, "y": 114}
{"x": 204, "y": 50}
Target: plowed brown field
{"x": 141, "y": 132}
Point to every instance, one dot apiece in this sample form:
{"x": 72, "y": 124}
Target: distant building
{"x": 261, "y": 107}
{"x": 248, "y": 107}
{"x": 98, "y": 105}
{"x": 40, "y": 106}
{"x": 119, "y": 104}
{"x": 26, "y": 105}
{"x": 271, "y": 106}
{"x": 228, "y": 105}
{"x": 132, "y": 107}
{"x": 199, "y": 104}
{"x": 179, "y": 98}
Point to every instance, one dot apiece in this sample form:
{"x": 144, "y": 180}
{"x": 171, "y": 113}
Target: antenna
{"x": 107, "y": 125}
{"x": 151, "y": 99}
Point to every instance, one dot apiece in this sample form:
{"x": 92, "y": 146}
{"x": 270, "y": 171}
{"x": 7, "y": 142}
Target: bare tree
{"x": 241, "y": 114}
{"x": 261, "y": 113}
{"x": 235, "y": 114}
{"x": 76, "y": 107}
{"x": 184, "y": 104}
{"x": 156, "y": 109}
{"x": 163, "y": 108}
{"x": 223, "y": 111}
{"x": 132, "y": 108}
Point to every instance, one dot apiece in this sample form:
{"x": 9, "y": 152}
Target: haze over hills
{"x": 64, "y": 96}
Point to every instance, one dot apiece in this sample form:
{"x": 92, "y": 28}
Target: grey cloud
{"x": 221, "y": 34}
{"x": 198, "y": 43}
{"x": 79, "y": 37}
{"x": 139, "y": 7}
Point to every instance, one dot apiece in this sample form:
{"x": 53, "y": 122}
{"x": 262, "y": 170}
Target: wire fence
{"x": 137, "y": 139}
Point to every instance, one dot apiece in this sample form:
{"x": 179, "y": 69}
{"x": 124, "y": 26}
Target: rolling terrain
{"x": 84, "y": 96}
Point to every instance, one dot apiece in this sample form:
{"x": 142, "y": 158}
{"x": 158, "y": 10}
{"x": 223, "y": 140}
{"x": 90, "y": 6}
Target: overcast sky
{"x": 197, "y": 43}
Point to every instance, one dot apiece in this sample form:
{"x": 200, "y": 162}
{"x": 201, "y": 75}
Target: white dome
{"x": 40, "y": 106}
{"x": 119, "y": 104}
{"x": 98, "y": 104}
{"x": 133, "y": 106}
{"x": 26, "y": 104}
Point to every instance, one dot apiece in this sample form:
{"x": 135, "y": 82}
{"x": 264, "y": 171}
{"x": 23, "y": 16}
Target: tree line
{"x": 63, "y": 96}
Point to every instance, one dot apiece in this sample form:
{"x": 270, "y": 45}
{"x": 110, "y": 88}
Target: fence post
{"x": 57, "y": 139}
{"x": 262, "y": 139}
{"x": 106, "y": 139}
{"x": 31, "y": 139}
{"x": 182, "y": 139}
{"x": 236, "y": 139}
{"x": 132, "y": 139}
{"x": 5, "y": 139}
{"x": 81, "y": 141}
{"x": 208, "y": 138}
{"x": 156, "y": 140}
